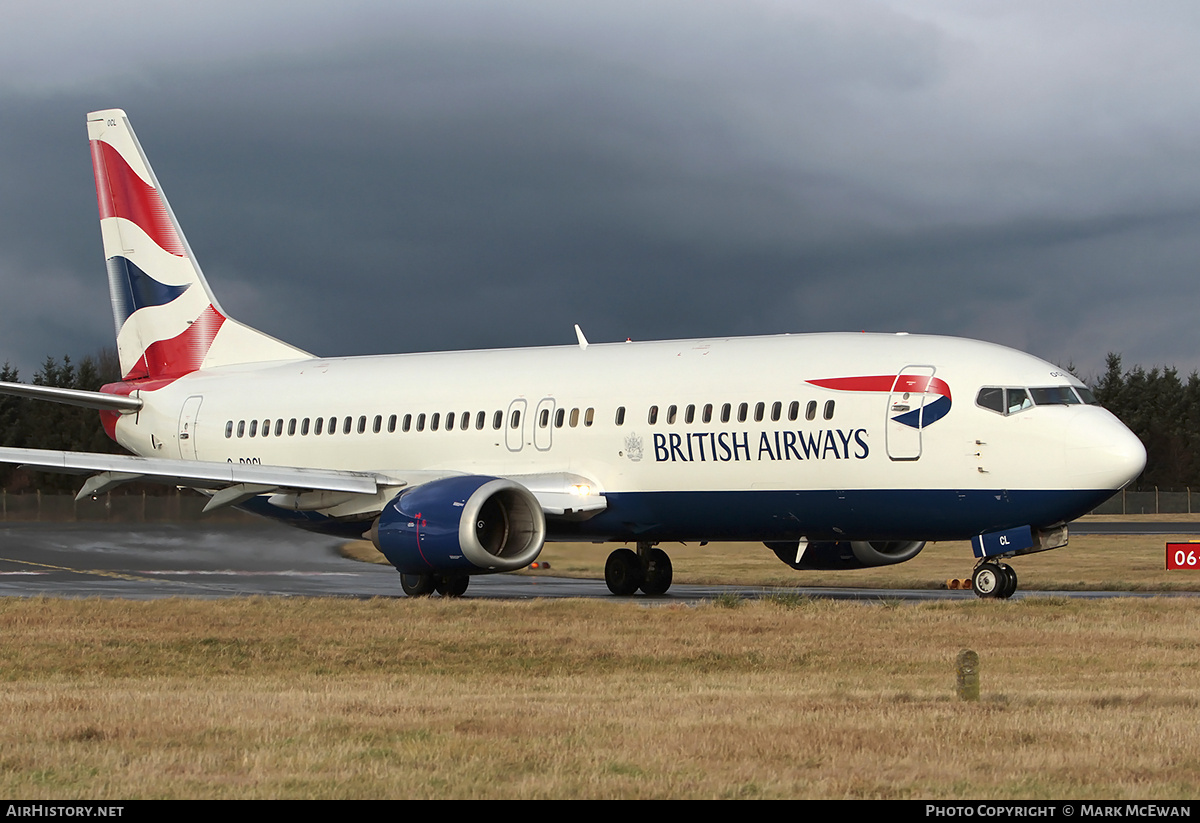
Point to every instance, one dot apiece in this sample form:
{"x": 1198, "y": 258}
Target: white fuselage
{"x": 587, "y": 411}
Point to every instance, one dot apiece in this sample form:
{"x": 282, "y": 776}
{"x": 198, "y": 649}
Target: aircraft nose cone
{"x": 1102, "y": 452}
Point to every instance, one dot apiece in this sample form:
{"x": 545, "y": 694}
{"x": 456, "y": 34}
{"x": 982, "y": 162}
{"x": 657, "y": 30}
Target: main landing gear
{"x": 648, "y": 569}
{"x": 994, "y": 580}
{"x": 423, "y": 585}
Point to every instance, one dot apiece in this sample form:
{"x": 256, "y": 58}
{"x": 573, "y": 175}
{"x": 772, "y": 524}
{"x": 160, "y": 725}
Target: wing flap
{"x": 560, "y": 494}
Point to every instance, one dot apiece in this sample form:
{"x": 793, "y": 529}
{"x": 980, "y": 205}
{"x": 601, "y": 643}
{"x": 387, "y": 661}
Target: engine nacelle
{"x": 468, "y": 525}
{"x": 847, "y": 554}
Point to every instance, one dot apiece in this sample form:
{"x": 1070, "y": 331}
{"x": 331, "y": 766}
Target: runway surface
{"x": 145, "y": 561}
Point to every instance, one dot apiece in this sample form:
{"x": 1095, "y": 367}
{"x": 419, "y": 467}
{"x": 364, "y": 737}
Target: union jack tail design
{"x": 167, "y": 320}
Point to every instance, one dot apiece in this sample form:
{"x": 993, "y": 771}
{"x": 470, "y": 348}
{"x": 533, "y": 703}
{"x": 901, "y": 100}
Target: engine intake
{"x": 470, "y": 524}
{"x": 847, "y": 554}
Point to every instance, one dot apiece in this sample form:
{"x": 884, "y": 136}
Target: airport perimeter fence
{"x": 34, "y": 507}
{"x": 1154, "y": 501}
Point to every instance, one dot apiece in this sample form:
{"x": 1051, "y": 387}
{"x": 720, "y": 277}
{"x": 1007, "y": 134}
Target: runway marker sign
{"x": 1183, "y": 556}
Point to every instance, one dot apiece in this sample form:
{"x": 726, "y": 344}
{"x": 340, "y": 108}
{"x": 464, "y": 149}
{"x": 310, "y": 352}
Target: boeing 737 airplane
{"x": 837, "y": 451}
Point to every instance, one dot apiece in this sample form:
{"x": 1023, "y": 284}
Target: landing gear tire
{"x": 658, "y": 572}
{"x": 1010, "y": 582}
{"x": 623, "y": 572}
{"x": 418, "y": 585}
{"x": 994, "y": 581}
{"x": 453, "y": 585}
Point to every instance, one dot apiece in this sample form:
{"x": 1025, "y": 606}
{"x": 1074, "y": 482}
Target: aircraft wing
{"x": 559, "y": 494}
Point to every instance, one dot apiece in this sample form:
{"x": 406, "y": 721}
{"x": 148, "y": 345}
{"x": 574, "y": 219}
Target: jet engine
{"x": 846, "y": 554}
{"x": 467, "y": 525}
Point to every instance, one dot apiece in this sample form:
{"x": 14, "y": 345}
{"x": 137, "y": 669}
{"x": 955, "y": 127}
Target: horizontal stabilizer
{"x": 74, "y": 397}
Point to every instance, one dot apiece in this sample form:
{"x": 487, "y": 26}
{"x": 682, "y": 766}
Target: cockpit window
{"x": 1012, "y": 400}
{"x": 1054, "y": 396}
{"x": 991, "y": 398}
{"x": 1018, "y": 400}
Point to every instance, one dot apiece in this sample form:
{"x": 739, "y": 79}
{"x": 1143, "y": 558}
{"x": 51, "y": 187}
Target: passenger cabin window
{"x": 229, "y": 429}
{"x": 652, "y": 416}
{"x": 794, "y": 410}
{"x": 828, "y": 415}
{"x": 810, "y": 411}
{"x": 589, "y": 417}
{"x": 620, "y": 419}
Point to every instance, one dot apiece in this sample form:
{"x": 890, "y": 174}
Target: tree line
{"x": 1156, "y": 404}
{"x": 1163, "y": 410}
{"x": 36, "y": 424}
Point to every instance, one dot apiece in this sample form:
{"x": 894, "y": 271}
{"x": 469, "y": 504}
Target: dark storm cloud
{"x": 476, "y": 174}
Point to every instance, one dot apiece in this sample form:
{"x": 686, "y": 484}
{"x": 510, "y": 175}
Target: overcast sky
{"x": 367, "y": 177}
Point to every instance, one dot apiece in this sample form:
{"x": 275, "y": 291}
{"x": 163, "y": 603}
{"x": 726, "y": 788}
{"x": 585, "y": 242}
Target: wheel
{"x": 987, "y": 580}
{"x": 1009, "y": 588}
{"x": 623, "y": 572}
{"x": 453, "y": 585}
{"x": 418, "y": 585}
{"x": 658, "y": 572}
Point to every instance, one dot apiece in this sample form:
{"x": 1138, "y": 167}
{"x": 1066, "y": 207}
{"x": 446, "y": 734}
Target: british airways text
{"x": 724, "y": 447}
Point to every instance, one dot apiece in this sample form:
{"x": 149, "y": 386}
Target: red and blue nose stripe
{"x": 931, "y": 411}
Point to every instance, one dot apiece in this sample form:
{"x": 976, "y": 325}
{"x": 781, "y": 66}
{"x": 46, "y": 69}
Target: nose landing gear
{"x": 994, "y": 580}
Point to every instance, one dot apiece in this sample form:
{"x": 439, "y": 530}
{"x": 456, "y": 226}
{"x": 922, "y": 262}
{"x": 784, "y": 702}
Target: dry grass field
{"x": 781, "y": 697}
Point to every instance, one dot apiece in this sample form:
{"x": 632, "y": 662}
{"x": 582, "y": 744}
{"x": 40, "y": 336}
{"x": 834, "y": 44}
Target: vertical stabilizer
{"x": 167, "y": 320}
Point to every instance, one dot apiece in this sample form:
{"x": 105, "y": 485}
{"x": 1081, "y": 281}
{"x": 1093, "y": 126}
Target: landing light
{"x": 581, "y": 489}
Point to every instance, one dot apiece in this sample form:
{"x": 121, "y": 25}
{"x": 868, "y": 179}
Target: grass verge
{"x": 783, "y": 697}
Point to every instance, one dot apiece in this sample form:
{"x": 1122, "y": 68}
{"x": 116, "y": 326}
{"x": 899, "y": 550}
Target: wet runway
{"x": 146, "y": 561}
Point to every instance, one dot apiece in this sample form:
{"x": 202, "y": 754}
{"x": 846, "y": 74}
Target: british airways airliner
{"x": 837, "y": 451}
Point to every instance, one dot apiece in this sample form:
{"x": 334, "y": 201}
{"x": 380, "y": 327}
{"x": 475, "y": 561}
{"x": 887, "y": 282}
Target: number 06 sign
{"x": 1183, "y": 556}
